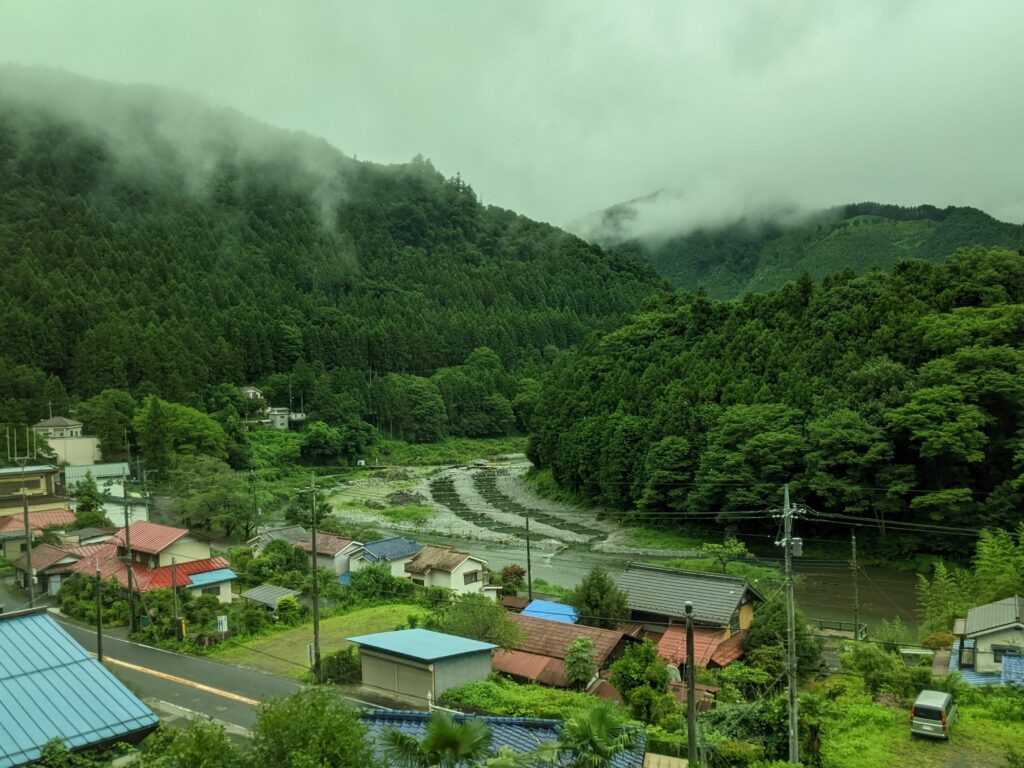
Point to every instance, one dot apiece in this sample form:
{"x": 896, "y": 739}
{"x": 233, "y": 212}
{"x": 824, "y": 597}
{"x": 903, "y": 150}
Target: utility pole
{"x": 316, "y": 588}
{"x": 856, "y": 596}
{"x": 529, "y": 571}
{"x": 794, "y": 739}
{"x": 128, "y": 548}
{"x": 174, "y": 586}
{"x": 22, "y": 459}
{"x": 691, "y": 689}
{"x": 99, "y": 613}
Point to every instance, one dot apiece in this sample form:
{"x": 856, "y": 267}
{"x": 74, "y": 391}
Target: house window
{"x": 999, "y": 650}
{"x": 418, "y": 581}
{"x": 215, "y": 591}
{"x": 472, "y": 577}
{"x": 734, "y": 623}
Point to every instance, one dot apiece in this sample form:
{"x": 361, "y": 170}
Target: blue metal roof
{"x": 390, "y": 549}
{"x": 522, "y": 734}
{"x": 345, "y": 579}
{"x": 51, "y": 688}
{"x": 422, "y": 644}
{"x": 211, "y": 577}
{"x": 545, "y": 609}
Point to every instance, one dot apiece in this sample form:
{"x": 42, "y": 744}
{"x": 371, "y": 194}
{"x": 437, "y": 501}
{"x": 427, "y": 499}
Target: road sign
{"x": 222, "y": 624}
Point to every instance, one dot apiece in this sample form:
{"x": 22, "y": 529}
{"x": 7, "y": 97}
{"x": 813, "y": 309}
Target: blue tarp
{"x": 1013, "y": 670}
{"x": 545, "y": 609}
{"x": 51, "y": 688}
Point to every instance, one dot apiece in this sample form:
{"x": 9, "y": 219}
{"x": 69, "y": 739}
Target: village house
{"x": 38, "y": 483}
{"x": 393, "y": 553}
{"x": 67, "y": 441}
{"x": 332, "y": 552}
{"x": 991, "y": 639}
{"x": 723, "y": 608}
{"x": 540, "y": 656}
{"x": 293, "y": 534}
{"x": 161, "y": 557}
{"x": 50, "y": 565}
{"x": 461, "y": 572}
{"x": 12, "y": 528}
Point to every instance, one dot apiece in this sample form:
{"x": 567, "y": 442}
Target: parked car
{"x": 933, "y": 714}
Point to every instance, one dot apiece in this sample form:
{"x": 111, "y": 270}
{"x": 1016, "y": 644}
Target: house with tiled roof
{"x": 12, "y": 528}
{"x": 393, "y": 552}
{"x": 52, "y": 688}
{"x": 723, "y": 608}
{"x": 160, "y": 557}
{"x": 540, "y": 654}
{"x": 332, "y": 551}
{"x": 519, "y": 734}
{"x": 990, "y": 636}
{"x": 447, "y": 567}
{"x": 293, "y": 534}
{"x": 50, "y": 565}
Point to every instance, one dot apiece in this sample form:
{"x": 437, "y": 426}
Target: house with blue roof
{"x": 394, "y": 552}
{"x": 545, "y": 609}
{"x": 421, "y": 664}
{"x": 51, "y": 688}
{"x": 521, "y": 734}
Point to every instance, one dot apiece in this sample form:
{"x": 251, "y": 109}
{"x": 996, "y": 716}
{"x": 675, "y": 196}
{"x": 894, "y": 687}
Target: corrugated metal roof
{"x": 51, "y": 688}
{"x": 151, "y": 538}
{"x": 422, "y": 644}
{"x": 664, "y": 591}
{"x": 14, "y": 525}
{"x": 75, "y": 474}
{"x": 35, "y": 469}
{"x": 729, "y": 650}
{"x": 672, "y": 646}
{"x": 532, "y": 666}
{"x": 1002, "y": 613}
{"x": 394, "y": 548}
{"x": 553, "y": 638}
{"x": 545, "y": 609}
{"x": 211, "y": 577}
{"x": 521, "y": 734}
{"x": 269, "y": 594}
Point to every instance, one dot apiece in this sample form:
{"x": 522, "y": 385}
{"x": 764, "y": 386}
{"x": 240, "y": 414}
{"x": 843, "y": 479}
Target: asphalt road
{"x": 181, "y": 686}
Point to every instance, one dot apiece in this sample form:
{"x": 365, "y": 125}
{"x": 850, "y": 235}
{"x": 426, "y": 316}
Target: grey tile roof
{"x": 269, "y": 594}
{"x": 664, "y": 591}
{"x": 57, "y": 421}
{"x": 522, "y": 734}
{"x": 51, "y": 688}
{"x": 394, "y": 548}
{"x": 293, "y": 534}
{"x": 1002, "y": 613}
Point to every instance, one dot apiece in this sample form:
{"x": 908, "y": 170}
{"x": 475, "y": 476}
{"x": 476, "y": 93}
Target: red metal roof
{"x": 150, "y": 538}
{"x": 672, "y": 646}
{"x": 552, "y": 638}
{"x": 143, "y": 578}
{"x": 514, "y": 603}
{"x": 729, "y": 650}
{"x": 531, "y": 666}
{"x": 39, "y": 520}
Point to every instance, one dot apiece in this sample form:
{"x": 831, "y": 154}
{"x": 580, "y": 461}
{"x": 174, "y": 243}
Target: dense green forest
{"x": 764, "y": 254}
{"x": 890, "y": 397}
{"x": 151, "y": 244}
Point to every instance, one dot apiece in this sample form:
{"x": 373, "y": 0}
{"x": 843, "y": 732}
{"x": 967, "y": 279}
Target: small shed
{"x": 420, "y": 663}
{"x": 267, "y": 595}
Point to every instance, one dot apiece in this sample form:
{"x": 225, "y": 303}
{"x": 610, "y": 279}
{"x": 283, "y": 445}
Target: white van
{"x": 933, "y": 714}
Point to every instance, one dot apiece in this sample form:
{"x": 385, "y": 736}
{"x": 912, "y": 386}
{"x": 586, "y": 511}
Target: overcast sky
{"x": 557, "y": 108}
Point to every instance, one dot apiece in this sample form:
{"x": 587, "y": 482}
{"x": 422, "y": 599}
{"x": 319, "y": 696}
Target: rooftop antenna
{"x": 22, "y": 459}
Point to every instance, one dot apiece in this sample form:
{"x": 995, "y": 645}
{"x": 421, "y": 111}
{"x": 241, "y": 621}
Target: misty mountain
{"x": 152, "y": 242}
{"x": 762, "y": 253}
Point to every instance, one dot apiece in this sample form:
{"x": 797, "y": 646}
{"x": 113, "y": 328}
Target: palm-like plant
{"x": 593, "y": 735}
{"x": 446, "y": 744}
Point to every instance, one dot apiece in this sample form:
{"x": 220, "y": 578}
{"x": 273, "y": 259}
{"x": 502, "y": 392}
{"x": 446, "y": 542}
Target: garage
{"x": 421, "y": 664}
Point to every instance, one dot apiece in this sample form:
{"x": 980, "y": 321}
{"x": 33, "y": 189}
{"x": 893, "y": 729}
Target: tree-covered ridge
{"x": 761, "y": 255}
{"x": 168, "y": 269}
{"x": 893, "y": 397}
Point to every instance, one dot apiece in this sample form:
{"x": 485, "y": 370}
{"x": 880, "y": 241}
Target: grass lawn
{"x": 454, "y": 450}
{"x": 646, "y": 538}
{"x": 285, "y": 653}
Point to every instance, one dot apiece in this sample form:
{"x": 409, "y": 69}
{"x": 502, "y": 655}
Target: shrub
{"x": 938, "y": 640}
{"x": 342, "y": 666}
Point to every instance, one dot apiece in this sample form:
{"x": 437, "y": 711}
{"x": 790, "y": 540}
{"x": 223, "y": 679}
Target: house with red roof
{"x": 160, "y": 557}
{"x": 50, "y": 565}
{"x": 12, "y": 528}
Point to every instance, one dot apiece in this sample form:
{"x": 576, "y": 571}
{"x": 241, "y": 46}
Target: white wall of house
{"x": 396, "y": 567}
{"x": 984, "y": 659}
{"x": 185, "y": 549}
{"x": 76, "y": 449}
{"x": 223, "y": 591}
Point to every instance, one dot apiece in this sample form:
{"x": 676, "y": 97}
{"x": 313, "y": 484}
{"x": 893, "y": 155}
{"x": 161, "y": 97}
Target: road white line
{"x": 183, "y": 681}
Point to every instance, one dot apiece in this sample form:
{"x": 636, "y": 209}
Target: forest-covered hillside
{"x": 764, "y": 254}
{"x": 152, "y": 243}
{"x": 891, "y": 397}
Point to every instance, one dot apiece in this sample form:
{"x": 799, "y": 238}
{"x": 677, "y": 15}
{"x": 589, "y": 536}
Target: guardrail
{"x": 841, "y": 627}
